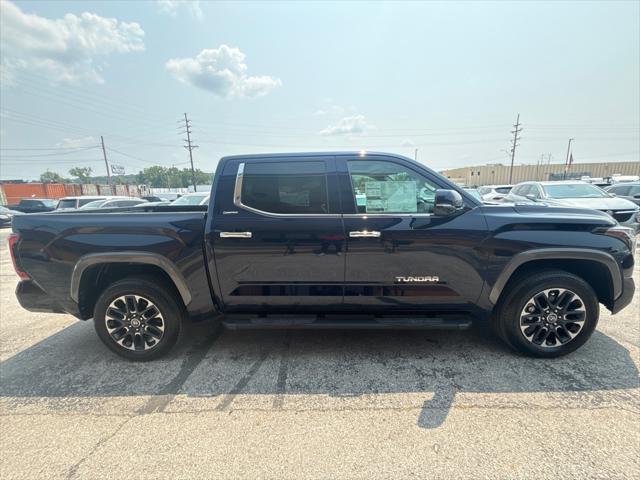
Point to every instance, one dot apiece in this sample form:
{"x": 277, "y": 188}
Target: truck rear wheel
{"x": 547, "y": 314}
{"x": 138, "y": 318}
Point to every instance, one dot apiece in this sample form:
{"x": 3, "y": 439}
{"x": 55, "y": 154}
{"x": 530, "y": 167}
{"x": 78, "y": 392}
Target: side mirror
{"x": 447, "y": 202}
{"x": 531, "y": 197}
{"x": 637, "y": 195}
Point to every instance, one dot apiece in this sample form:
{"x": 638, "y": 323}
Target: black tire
{"x": 163, "y": 328}
{"x": 511, "y": 319}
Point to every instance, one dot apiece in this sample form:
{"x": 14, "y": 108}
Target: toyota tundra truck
{"x": 328, "y": 240}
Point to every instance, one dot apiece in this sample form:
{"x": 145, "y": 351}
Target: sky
{"x": 447, "y": 79}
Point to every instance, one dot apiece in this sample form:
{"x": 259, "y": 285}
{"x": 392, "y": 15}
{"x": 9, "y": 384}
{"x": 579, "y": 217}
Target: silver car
{"x": 573, "y": 193}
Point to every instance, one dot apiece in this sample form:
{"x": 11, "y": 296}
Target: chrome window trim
{"x": 237, "y": 201}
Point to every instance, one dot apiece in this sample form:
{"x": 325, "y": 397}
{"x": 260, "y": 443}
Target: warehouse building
{"x": 497, "y": 174}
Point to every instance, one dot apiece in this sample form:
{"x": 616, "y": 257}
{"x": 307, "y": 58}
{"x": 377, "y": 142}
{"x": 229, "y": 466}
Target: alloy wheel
{"x": 134, "y": 322}
{"x": 552, "y": 317}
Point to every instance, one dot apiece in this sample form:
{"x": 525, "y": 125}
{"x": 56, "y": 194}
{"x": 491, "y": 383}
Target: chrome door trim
{"x": 364, "y": 234}
{"x": 236, "y": 234}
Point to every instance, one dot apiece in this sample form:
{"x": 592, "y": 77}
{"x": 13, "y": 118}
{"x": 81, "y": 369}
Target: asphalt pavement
{"x": 313, "y": 404}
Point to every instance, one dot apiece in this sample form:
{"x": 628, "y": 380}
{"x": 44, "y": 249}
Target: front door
{"x": 277, "y": 238}
{"x": 400, "y": 256}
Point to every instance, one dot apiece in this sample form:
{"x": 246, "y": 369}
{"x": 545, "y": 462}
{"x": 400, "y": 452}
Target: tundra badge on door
{"x": 422, "y": 279}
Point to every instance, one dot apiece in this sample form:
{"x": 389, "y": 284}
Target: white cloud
{"x": 171, "y": 7}
{"x": 66, "y": 49}
{"x": 407, "y": 142}
{"x": 78, "y": 142}
{"x": 223, "y": 72}
{"x": 356, "y": 124}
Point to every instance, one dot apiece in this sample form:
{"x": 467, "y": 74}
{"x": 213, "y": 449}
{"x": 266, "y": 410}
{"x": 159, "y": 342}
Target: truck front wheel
{"x": 138, "y": 318}
{"x": 547, "y": 314}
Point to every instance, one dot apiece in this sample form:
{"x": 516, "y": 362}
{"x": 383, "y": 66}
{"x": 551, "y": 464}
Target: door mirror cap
{"x": 637, "y": 195}
{"x": 531, "y": 197}
{"x": 447, "y": 202}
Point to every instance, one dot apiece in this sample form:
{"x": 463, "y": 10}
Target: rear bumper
{"x": 31, "y": 297}
{"x": 628, "y": 289}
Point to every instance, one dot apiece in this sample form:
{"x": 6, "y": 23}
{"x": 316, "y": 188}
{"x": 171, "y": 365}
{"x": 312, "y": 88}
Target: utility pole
{"x": 106, "y": 162}
{"x": 190, "y": 147}
{"x": 566, "y": 160}
{"x": 514, "y": 143}
{"x": 540, "y": 162}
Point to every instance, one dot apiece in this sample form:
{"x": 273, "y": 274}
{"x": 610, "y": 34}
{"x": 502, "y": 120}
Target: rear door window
{"x": 295, "y": 187}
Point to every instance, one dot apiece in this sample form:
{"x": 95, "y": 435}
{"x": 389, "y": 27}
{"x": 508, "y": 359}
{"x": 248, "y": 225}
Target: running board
{"x": 244, "y": 322}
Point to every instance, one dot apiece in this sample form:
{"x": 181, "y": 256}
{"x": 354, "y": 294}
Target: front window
{"x": 285, "y": 187}
{"x": 385, "y": 187}
{"x": 574, "y": 190}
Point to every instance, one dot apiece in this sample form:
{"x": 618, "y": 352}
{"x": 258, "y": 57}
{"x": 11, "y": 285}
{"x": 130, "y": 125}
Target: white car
{"x": 197, "y": 198}
{"x": 114, "y": 202}
{"x": 494, "y": 192}
{"x": 71, "y": 203}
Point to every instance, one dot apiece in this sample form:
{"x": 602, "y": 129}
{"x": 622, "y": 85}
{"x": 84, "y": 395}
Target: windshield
{"x": 195, "y": 199}
{"x": 504, "y": 190}
{"x": 94, "y": 204}
{"x": 574, "y": 190}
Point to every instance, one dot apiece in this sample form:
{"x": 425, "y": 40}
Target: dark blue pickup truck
{"x": 328, "y": 240}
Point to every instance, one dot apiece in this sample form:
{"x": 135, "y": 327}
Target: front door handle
{"x": 235, "y": 234}
{"x": 364, "y": 233}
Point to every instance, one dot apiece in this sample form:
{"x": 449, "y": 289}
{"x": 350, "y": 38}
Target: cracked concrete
{"x": 276, "y": 404}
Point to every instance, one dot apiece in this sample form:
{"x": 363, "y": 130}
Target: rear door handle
{"x": 364, "y": 233}
{"x": 236, "y": 234}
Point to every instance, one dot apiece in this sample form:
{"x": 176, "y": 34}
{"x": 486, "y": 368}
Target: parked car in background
{"x": 153, "y": 198}
{"x": 34, "y": 205}
{"x": 113, "y": 203}
{"x": 197, "y": 198}
{"x": 575, "y": 193}
{"x": 474, "y": 192}
{"x": 71, "y": 203}
{"x": 6, "y": 216}
{"x": 628, "y": 191}
{"x": 494, "y": 192}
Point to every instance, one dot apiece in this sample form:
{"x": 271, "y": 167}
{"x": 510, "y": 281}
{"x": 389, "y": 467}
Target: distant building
{"x": 498, "y": 174}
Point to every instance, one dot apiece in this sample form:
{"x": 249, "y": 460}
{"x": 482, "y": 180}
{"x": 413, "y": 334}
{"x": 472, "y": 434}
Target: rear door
{"x": 400, "y": 256}
{"x": 277, "y": 235}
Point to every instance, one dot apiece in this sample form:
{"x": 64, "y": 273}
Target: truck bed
{"x": 52, "y": 244}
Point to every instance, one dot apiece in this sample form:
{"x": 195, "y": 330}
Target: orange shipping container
{"x": 89, "y": 189}
{"x": 15, "y": 192}
{"x": 72, "y": 190}
{"x": 54, "y": 190}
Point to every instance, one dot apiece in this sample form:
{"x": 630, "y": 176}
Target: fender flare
{"x": 558, "y": 254}
{"x": 146, "y": 258}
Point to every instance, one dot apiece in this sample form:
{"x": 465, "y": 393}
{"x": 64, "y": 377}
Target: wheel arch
{"x": 100, "y": 269}
{"x": 597, "y": 268}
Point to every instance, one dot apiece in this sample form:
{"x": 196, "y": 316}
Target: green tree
{"x": 51, "y": 177}
{"x": 81, "y": 173}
